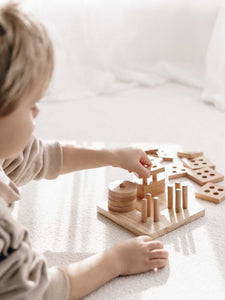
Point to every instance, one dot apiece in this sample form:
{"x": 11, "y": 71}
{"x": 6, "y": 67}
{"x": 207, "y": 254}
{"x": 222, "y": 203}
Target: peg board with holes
{"x": 211, "y": 192}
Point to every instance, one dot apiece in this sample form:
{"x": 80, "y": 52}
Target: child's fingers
{"x": 146, "y": 238}
{"x": 142, "y": 171}
{"x": 154, "y": 245}
{"x": 145, "y": 160}
{"x": 157, "y": 263}
{"x": 158, "y": 254}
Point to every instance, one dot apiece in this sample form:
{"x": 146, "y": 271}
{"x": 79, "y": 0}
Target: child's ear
{"x": 2, "y": 30}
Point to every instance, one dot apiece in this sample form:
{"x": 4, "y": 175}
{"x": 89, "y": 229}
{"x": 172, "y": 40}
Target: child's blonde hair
{"x": 26, "y": 57}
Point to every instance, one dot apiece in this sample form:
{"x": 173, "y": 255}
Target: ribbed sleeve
{"x": 23, "y": 272}
{"x": 38, "y": 160}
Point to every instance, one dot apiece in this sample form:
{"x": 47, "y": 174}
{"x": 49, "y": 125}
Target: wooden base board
{"x": 169, "y": 219}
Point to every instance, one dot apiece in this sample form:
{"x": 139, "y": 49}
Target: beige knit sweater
{"x": 23, "y": 272}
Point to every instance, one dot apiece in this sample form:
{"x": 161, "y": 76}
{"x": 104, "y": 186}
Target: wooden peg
{"x": 177, "y": 185}
{"x": 170, "y": 196}
{"x": 154, "y": 177}
{"x": 145, "y": 182}
{"x": 149, "y": 201}
{"x": 178, "y": 200}
{"x": 156, "y": 209}
{"x": 144, "y": 210}
{"x": 185, "y": 196}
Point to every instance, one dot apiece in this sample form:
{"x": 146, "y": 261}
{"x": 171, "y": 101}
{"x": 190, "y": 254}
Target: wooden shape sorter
{"x": 211, "y": 192}
{"x": 197, "y": 163}
{"x": 169, "y": 220}
{"x": 204, "y": 175}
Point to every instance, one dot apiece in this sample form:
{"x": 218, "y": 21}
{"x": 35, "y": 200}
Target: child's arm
{"x": 136, "y": 255}
{"x": 131, "y": 159}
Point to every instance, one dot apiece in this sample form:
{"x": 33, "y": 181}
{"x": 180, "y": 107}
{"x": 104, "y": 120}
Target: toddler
{"x": 26, "y": 66}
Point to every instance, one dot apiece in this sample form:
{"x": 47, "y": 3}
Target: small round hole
{"x": 220, "y": 190}
{"x": 204, "y": 163}
{"x": 154, "y": 166}
{"x": 174, "y": 167}
{"x": 212, "y": 187}
{"x": 174, "y": 171}
{"x": 207, "y": 191}
{"x": 192, "y": 160}
{"x": 212, "y": 174}
{"x": 199, "y": 173}
{"x": 204, "y": 176}
{"x": 200, "y": 159}
{"x": 183, "y": 169}
{"x": 206, "y": 171}
{"x": 216, "y": 193}
{"x": 195, "y": 164}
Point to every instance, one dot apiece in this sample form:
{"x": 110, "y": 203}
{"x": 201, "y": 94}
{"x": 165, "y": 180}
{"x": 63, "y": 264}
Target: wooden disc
{"x": 122, "y": 189}
{"x": 122, "y": 204}
{"x": 118, "y": 199}
{"x": 121, "y": 209}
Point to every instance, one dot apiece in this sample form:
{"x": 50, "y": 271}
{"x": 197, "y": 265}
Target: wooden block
{"x": 169, "y": 220}
{"x": 152, "y": 151}
{"x": 177, "y": 185}
{"x": 202, "y": 176}
{"x": 156, "y": 209}
{"x": 149, "y": 204}
{"x": 122, "y": 189}
{"x": 178, "y": 200}
{"x": 189, "y": 154}
{"x": 211, "y": 192}
{"x": 129, "y": 204}
{"x": 121, "y": 209}
{"x": 157, "y": 168}
{"x": 176, "y": 171}
{"x": 170, "y": 196}
{"x": 144, "y": 210}
{"x": 185, "y": 196}
{"x": 155, "y": 188}
{"x": 155, "y": 159}
{"x": 197, "y": 163}
{"x": 128, "y": 199}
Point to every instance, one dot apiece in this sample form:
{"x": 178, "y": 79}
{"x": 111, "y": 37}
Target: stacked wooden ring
{"x": 122, "y": 196}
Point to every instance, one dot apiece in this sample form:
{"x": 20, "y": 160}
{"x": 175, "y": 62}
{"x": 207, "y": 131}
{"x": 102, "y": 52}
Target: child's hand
{"x": 139, "y": 255}
{"x": 133, "y": 160}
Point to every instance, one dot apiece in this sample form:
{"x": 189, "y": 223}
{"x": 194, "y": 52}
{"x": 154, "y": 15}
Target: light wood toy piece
{"x": 177, "y": 185}
{"x": 144, "y": 210}
{"x": 178, "y": 200}
{"x": 164, "y": 154}
{"x": 156, "y": 209}
{"x": 169, "y": 219}
{"x": 157, "y": 168}
{"x": 211, "y": 192}
{"x": 197, "y": 163}
{"x": 170, "y": 196}
{"x": 149, "y": 204}
{"x": 122, "y": 196}
{"x": 185, "y": 196}
{"x": 176, "y": 171}
{"x": 204, "y": 175}
{"x": 189, "y": 154}
{"x": 152, "y": 151}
